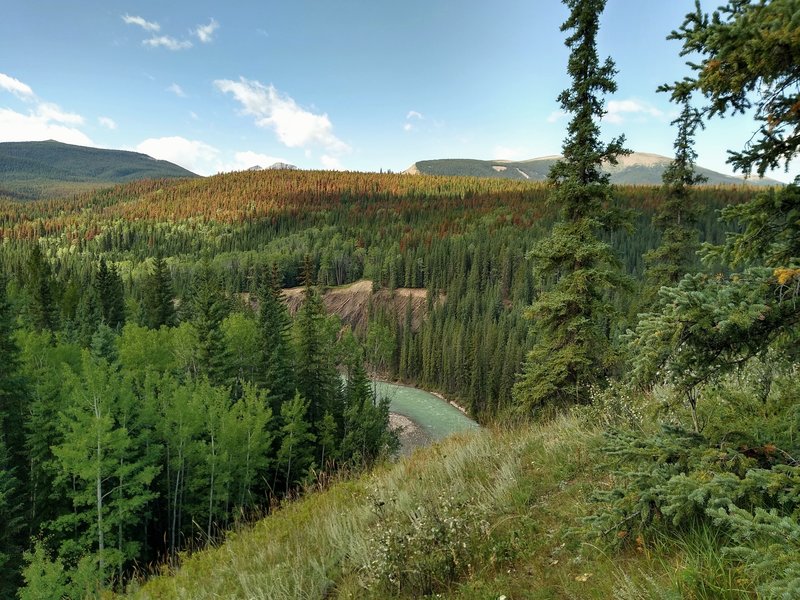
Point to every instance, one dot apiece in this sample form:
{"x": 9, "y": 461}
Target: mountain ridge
{"x": 47, "y": 169}
{"x": 637, "y": 168}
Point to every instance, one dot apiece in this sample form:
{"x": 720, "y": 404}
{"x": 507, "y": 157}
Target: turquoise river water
{"x": 435, "y": 417}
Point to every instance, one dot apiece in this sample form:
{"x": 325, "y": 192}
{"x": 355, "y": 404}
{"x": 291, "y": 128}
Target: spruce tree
{"x": 104, "y": 344}
{"x": 707, "y": 326}
{"x": 572, "y": 314}
{"x": 42, "y": 309}
{"x": 12, "y": 387}
{"x": 748, "y": 59}
{"x": 208, "y": 309}
{"x": 44, "y": 367}
{"x": 317, "y": 379}
{"x": 677, "y": 215}
{"x": 11, "y": 525}
{"x": 13, "y": 408}
{"x": 88, "y": 316}
{"x": 366, "y": 418}
{"x": 159, "y": 309}
{"x": 109, "y": 291}
{"x": 276, "y": 372}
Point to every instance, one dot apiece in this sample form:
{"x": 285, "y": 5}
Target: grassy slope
{"x": 509, "y": 499}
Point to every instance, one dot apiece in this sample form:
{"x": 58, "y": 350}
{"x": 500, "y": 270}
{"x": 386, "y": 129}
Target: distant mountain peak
{"x": 282, "y": 166}
{"x": 278, "y": 166}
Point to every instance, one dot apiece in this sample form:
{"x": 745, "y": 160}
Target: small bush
{"x": 613, "y": 406}
{"x": 423, "y": 551}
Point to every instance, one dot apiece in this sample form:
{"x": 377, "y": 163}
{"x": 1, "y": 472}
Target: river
{"x": 431, "y": 417}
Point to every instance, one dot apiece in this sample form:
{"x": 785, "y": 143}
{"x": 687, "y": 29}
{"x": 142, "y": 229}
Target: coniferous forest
{"x": 156, "y": 389}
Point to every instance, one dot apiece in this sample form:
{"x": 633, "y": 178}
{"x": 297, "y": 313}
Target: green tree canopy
{"x": 749, "y": 53}
{"x": 158, "y": 296}
{"x": 571, "y": 317}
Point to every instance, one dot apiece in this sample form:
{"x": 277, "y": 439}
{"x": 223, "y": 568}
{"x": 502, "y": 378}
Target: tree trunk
{"x": 99, "y": 485}
{"x": 211, "y": 490}
{"x": 692, "y": 398}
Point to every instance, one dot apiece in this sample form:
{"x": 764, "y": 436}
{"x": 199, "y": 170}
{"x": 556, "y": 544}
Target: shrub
{"x": 422, "y": 551}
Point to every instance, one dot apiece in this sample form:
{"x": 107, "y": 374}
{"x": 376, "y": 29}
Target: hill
{"x": 491, "y": 514}
{"x": 481, "y": 515}
{"x": 639, "y": 168}
{"x": 32, "y": 170}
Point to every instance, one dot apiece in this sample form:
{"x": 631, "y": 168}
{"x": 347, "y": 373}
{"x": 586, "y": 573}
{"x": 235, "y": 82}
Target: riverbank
{"x": 450, "y": 402}
{"x": 411, "y": 434}
{"x": 421, "y": 417}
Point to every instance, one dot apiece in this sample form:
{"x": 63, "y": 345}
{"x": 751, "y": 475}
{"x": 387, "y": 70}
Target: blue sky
{"x": 352, "y": 84}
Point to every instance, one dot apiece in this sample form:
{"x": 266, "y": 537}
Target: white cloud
{"x": 294, "y": 126}
{"x": 194, "y": 115}
{"x": 203, "y": 158}
{"x": 17, "y": 127}
{"x": 177, "y": 90}
{"x": 16, "y": 87}
{"x": 194, "y": 155}
{"x": 506, "y": 153}
{"x": 165, "y": 41}
{"x": 146, "y": 25}
{"x": 331, "y": 162}
{"x": 618, "y": 109}
{"x": 556, "y": 115}
{"x": 107, "y": 122}
{"x": 205, "y": 33}
{"x": 52, "y": 112}
{"x": 411, "y": 116}
{"x": 44, "y": 120}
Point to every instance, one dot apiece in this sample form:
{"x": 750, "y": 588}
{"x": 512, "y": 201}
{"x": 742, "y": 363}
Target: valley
{"x": 575, "y": 376}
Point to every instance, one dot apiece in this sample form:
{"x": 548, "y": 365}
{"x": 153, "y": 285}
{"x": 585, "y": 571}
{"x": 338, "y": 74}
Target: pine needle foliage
{"x": 748, "y": 60}
{"x": 578, "y": 270}
{"x": 677, "y": 216}
{"x": 276, "y": 363}
{"x": 159, "y": 309}
{"x": 675, "y": 481}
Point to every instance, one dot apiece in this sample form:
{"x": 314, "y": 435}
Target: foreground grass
{"x": 482, "y": 515}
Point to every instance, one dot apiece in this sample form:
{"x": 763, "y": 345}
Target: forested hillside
{"x": 171, "y": 370}
{"x": 149, "y": 317}
{"x": 466, "y": 240}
